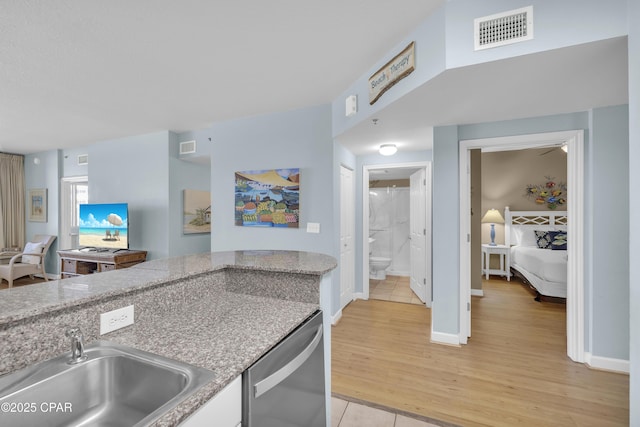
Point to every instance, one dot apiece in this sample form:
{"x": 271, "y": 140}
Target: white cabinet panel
{"x": 223, "y": 410}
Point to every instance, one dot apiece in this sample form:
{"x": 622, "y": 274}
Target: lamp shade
{"x": 493, "y": 216}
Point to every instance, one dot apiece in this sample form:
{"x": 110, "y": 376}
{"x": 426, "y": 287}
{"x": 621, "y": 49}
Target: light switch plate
{"x": 116, "y": 319}
{"x": 313, "y": 227}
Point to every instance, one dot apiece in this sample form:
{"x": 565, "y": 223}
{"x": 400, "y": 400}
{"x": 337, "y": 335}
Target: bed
{"x": 537, "y": 241}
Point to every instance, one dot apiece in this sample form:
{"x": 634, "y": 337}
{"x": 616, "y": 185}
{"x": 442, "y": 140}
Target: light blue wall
{"x": 399, "y": 158}
{"x": 185, "y": 175}
{"x": 634, "y": 206}
{"x": 609, "y": 263}
{"x": 135, "y": 170}
{"x": 429, "y": 62}
{"x": 445, "y": 41}
{"x": 47, "y": 175}
{"x": 446, "y": 231}
{"x": 606, "y": 329}
{"x": 557, "y": 24}
{"x": 70, "y": 165}
{"x": 296, "y": 139}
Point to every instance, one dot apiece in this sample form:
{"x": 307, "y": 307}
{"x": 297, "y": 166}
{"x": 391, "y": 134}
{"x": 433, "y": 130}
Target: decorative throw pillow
{"x": 32, "y": 248}
{"x": 525, "y": 237}
{"x": 543, "y": 239}
{"x": 558, "y": 240}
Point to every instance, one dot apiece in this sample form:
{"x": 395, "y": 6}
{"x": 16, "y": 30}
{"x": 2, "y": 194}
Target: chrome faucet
{"x": 77, "y": 345}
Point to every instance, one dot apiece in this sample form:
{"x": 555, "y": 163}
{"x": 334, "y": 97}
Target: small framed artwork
{"x": 37, "y": 204}
{"x": 196, "y": 217}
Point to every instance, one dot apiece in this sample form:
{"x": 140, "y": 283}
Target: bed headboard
{"x": 531, "y": 218}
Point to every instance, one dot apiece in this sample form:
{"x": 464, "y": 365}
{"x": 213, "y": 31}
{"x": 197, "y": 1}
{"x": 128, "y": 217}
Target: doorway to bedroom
{"x": 573, "y": 141}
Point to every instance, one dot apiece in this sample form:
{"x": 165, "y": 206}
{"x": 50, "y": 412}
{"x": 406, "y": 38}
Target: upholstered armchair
{"x": 28, "y": 262}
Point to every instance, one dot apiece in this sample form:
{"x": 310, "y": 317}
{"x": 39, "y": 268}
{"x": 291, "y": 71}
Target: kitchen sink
{"x": 116, "y": 386}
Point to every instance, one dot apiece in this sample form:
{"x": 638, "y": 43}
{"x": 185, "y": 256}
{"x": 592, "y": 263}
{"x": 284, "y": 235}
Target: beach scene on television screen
{"x": 268, "y": 198}
{"x": 103, "y": 226}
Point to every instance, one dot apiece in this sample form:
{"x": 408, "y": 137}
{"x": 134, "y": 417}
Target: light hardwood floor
{"x": 514, "y": 371}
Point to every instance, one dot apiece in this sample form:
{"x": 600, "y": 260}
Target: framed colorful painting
{"x": 268, "y": 198}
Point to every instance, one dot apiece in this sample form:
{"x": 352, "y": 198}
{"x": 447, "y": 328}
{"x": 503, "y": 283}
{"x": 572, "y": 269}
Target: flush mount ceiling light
{"x": 388, "y": 149}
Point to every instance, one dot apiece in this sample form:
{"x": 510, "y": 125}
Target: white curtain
{"x": 12, "y": 206}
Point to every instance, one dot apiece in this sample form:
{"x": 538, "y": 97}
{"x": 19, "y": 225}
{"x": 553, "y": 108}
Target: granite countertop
{"x": 226, "y": 337}
{"x": 212, "y": 326}
{"x": 26, "y": 301}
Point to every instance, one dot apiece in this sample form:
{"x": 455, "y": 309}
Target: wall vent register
{"x": 503, "y": 28}
{"x": 187, "y": 147}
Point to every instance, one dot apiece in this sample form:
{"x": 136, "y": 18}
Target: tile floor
{"x": 351, "y": 414}
{"x": 393, "y": 288}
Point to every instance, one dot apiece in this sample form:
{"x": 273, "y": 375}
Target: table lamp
{"x": 493, "y": 217}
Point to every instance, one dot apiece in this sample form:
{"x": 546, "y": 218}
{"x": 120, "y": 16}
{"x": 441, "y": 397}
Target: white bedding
{"x": 544, "y": 263}
{"x": 546, "y": 269}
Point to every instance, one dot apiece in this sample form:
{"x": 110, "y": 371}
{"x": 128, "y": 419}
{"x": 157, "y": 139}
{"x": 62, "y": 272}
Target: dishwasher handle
{"x": 281, "y": 374}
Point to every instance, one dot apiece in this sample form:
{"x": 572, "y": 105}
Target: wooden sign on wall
{"x": 391, "y": 73}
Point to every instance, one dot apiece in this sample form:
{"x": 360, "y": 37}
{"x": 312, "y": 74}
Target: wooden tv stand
{"x": 75, "y": 262}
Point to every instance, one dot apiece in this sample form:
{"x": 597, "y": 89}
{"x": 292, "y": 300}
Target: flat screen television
{"x": 104, "y": 226}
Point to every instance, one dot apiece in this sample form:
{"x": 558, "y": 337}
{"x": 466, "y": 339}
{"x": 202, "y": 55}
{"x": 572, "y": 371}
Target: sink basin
{"x": 116, "y": 386}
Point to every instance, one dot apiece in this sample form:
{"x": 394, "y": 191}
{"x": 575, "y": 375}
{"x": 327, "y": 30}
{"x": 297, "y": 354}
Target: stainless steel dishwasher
{"x": 285, "y": 387}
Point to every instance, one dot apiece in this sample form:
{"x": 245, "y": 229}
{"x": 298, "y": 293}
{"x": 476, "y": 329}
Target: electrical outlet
{"x": 313, "y": 227}
{"x": 116, "y": 319}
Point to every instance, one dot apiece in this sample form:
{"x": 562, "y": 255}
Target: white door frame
{"x": 349, "y": 194}
{"x": 575, "y": 209}
{"x": 365, "y": 216}
{"x": 64, "y": 241}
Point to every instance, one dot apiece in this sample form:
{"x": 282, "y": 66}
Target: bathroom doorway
{"x": 397, "y": 232}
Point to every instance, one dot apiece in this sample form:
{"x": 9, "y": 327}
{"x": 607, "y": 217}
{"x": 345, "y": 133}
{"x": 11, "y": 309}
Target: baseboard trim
{"x": 336, "y": 317}
{"x": 358, "y": 295}
{"x": 477, "y": 293}
{"x": 607, "y": 363}
{"x": 446, "y": 339}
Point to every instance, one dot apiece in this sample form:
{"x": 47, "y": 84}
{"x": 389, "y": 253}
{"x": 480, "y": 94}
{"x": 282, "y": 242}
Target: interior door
{"x": 347, "y": 238}
{"x": 418, "y": 235}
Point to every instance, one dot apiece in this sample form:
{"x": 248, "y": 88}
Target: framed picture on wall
{"x": 267, "y": 198}
{"x": 37, "y": 204}
{"x": 196, "y": 216}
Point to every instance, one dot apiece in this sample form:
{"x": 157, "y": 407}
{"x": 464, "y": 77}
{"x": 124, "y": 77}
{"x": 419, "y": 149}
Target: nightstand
{"x": 505, "y": 260}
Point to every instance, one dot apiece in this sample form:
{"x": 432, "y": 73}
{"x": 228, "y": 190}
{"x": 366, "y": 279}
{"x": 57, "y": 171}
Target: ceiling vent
{"x": 187, "y": 147}
{"x": 83, "y": 159}
{"x": 503, "y": 28}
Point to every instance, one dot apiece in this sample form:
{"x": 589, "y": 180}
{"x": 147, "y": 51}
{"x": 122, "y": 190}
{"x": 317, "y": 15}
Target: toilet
{"x": 378, "y": 267}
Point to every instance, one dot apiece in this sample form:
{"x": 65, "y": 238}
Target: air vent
{"x": 187, "y": 147}
{"x": 83, "y": 159}
{"x": 503, "y": 28}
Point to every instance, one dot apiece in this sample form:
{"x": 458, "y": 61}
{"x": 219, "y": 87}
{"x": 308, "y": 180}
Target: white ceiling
{"x": 73, "y": 72}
